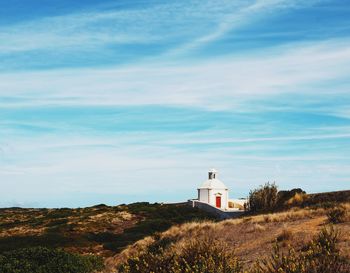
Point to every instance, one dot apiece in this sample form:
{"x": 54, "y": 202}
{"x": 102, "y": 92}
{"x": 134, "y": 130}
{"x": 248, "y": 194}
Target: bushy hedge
{"x": 44, "y": 260}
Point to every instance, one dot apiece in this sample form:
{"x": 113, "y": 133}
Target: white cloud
{"x": 152, "y": 169}
{"x": 219, "y": 83}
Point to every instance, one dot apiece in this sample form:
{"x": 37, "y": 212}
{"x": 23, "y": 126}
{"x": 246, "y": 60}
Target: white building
{"x": 213, "y": 191}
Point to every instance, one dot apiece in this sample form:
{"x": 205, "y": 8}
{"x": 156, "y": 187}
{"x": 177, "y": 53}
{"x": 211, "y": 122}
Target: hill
{"x": 79, "y": 240}
{"x": 249, "y": 239}
{"x": 102, "y": 230}
{"x": 115, "y": 235}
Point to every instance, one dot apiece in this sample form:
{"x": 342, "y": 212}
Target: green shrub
{"x": 44, "y": 260}
{"x": 337, "y": 215}
{"x": 264, "y": 198}
{"x": 59, "y": 213}
{"x": 45, "y": 240}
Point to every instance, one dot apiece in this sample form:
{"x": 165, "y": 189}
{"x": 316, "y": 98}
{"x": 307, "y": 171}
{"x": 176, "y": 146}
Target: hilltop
{"x": 115, "y": 235}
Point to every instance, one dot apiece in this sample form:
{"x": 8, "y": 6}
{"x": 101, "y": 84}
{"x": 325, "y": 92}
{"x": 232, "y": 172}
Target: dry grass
{"x": 250, "y": 237}
{"x": 256, "y": 228}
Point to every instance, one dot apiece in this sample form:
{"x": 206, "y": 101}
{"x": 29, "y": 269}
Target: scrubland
{"x": 79, "y": 240}
{"x": 308, "y": 231}
{"x": 248, "y": 239}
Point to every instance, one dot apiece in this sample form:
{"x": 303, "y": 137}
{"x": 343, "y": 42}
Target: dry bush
{"x": 196, "y": 256}
{"x": 285, "y": 195}
{"x": 264, "y": 198}
{"x": 319, "y": 256}
{"x": 337, "y": 215}
{"x": 297, "y": 200}
{"x": 285, "y": 235}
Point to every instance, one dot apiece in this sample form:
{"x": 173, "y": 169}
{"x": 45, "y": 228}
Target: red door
{"x": 218, "y": 201}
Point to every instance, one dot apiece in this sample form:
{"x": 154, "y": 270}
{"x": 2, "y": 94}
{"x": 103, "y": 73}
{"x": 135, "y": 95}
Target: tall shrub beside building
{"x": 264, "y": 198}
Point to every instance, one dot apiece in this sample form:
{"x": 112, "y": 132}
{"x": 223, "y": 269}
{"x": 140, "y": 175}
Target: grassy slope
{"x": 100, "y": 230}
{"x": 251, "y": 237}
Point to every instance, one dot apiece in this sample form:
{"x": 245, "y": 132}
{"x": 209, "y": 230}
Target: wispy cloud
{"x": 220, "y": 83}
{"x": 102, "y": 27}
{"x": 244, "y": 15}
{"x": 149, "y": 96}
{"x": 60, "y": 166}
{"x": 111, "y": 32}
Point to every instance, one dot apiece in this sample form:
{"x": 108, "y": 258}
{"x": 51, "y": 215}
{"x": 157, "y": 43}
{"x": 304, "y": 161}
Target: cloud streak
{"x": 109, "y": 31}
{"x": 246, "y": 14}
{"x": 303, "y": 69}
{"x": 100, "y": 27}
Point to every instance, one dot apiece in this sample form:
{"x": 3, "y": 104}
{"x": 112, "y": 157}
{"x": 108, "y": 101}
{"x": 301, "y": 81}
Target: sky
{"x": 133, "y": 100}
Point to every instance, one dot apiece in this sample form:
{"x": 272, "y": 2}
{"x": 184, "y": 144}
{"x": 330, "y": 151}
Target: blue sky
{"x": 122, "y": 101}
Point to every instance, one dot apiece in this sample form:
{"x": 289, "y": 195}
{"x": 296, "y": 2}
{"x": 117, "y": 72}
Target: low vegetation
{"x": 267, "y": 198}
{"x": 337, "y": 215}
{"x": 157, "y": 217}
{"x": 194, "y": 257}
{"x": 36, "y": 235}
{"x": 210, "y": 256}
{"x": 287, "y": 234}
{"x": 44, "y": 260}
{"x": 320, "y": 255}
{"x": 248, "y": 243}
{"x": 101, "y": 229}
